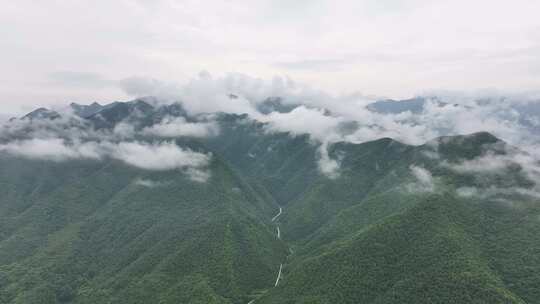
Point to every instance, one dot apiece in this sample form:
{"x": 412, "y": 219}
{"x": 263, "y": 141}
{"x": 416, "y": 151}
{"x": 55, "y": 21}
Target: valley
{"x": 257, "y": 221}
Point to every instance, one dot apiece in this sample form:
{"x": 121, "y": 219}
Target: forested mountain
{"x": 138, "y": 202}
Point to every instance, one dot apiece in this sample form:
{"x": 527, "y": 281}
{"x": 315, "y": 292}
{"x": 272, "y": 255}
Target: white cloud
{"x": 513, "y": 166}
{"x": 208, "y": 94}
{"x": 483, "y": 164}
{"x": 198, "y": 175}
{"x": 178, "y": 126}
{"x": 467, "y": 191}
{"x": 328, "y": 166}
{"x": 124, "y": 130}
{"x": 448, "y": 113}
{"x": 148, "y": 183}
{"x": 159, "y": 157}
{"x": 489, "y": 162}
{"x": 424, "y": 180}
{"x": 149, "y": 156}
{"x": 302, "y": 120}
{"x": 54, "y": 149}
{"x": 497, "y": 192}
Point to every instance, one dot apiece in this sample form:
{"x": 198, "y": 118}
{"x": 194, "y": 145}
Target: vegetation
{"x": 90, "y": 232}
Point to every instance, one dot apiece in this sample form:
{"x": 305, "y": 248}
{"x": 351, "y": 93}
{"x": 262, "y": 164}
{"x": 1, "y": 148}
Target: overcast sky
{"x": 64, "y": 51}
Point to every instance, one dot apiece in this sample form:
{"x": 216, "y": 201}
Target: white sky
{"x": 62, "y": 51}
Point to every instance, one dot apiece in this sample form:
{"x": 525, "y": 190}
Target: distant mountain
{"x": 42, "y": 113}
{"x": 116, "y": 112}
{"x": 414, "y": 105}
{"x": 454, "y": 220}
{"x": 86, "y": 111}
{"x": 275, "y": 104}
{"x": 389, "y": 106}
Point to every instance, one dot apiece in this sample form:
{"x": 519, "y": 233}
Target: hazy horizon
{"x": 53, "y": 54}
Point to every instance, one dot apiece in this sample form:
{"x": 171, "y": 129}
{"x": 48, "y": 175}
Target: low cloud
{"x": 328, "y": 118}
{"x": 161, "y": 156}
{"x": 198, "y": 175}
{"x": 327, "y": 165}
{"x": 158, "y": 157}
{"x": 148, "y": 183}
{"x": 322, "y": 115}
{"x": 124, "y": 130}
{"x": 54, "y": 149}
{"x": 511, "y": 159}
{"x": 497, "y": 192}
{"x": 518, "y": 171}
{"x": 4, "y": 118}
{"x": 202, "y": 94}
{"x": 483, "y": 164}
{"x": 424, "y": 180}
{"x": 171, "y": 127}
{"x": 303, "y": 120}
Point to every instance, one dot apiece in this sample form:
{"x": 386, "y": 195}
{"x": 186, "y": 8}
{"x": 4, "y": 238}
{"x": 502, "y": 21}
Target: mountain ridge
{"x": 397, "y": 223}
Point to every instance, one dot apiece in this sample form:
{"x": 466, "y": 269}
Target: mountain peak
{"x": 113, "y": 113}
{"x": 390, "y": 106}
{"x": 85, "y": 111}
{"x": 415, "y": 105}
{"x": 42, "y": 113}
{"x": 477, "y": 138}
{"x": 275, "y": 104}
{"x": 468, "y": 146}
{"x": 141, "y": 104}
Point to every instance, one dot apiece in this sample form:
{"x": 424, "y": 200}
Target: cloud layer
{"x": 326, "y": 118}
{"x": 171, "y": 127}
{"x": 54, "y": 149}
{"x": 160, "y": 156}
{"x": 424, "y": 180}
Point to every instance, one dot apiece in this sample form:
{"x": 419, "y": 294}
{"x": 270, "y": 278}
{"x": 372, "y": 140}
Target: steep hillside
{"x": 443, "y": 250}
{"x": 139, "y": 202}
{"x": 92, "y": 231}
{"x": 401, "y": 245}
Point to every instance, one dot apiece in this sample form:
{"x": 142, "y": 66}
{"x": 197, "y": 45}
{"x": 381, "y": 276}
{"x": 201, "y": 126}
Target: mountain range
{"x": 144, "y": 202}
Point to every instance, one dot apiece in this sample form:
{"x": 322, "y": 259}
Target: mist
{"x": 324, "y": 117}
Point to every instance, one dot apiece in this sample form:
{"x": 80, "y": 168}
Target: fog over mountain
{"x": 299, "y": 109}
{"x": 240, "y": 190}
{"x": 270, "y": 152}
{"x": 173, "y": 110}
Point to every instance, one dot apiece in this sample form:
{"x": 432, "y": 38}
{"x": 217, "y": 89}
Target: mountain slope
{"x": 436, "y": 252}
{"x": 395, "y": 223}
{"x": 398, "y": 246}
{"x": 96, "y": 233}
